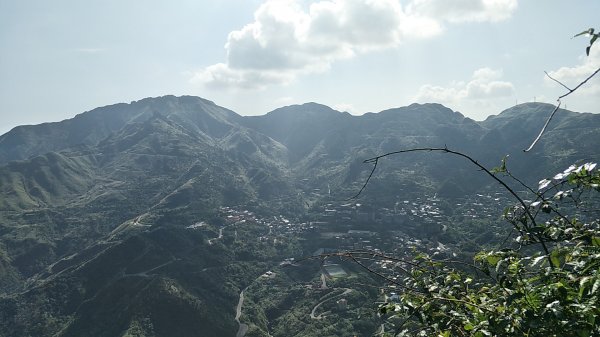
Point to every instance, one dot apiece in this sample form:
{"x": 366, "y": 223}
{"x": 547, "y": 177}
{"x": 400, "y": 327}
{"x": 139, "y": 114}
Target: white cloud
{"x": 456, "y": 11}
{"x": 286, "y": 40}
{"x": 220, "y": 76}
{"x": 480, "y": 94}
{"x": 572, "y": 76}
{"x": 485, "y": 83}
{"x": 345, "y": 107}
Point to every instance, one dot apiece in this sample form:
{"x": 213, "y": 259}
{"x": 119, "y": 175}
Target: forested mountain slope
{"x": 97, "y": 213}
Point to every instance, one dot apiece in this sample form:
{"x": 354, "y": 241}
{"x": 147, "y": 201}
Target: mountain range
{"x": 89, "y": 205}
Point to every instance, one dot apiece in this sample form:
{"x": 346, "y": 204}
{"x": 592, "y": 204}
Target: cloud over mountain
{"x": 287, "y": 39}
{"x": 480, "y": 91}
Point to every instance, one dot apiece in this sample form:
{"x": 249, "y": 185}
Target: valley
{"x": 172, "y": 216}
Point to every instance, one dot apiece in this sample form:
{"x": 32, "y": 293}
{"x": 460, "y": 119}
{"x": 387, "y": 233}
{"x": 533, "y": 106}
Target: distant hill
{"x": 90, "y": 204}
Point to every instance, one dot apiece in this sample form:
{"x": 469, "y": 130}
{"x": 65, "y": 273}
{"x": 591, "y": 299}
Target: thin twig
{"x": 557, "y": 81}
{"x": 544, "y": 127}
{"x": 539, "y": 196}
{"x": 375, "y": 161}
{"x": 366, "y": 182}
{"x": 461, "y": 301}
{"x": 570, "y": 91}
{"x": 381, "y": 256}
{"x": 580, "y": 84}
{"x": 392, "y": 281}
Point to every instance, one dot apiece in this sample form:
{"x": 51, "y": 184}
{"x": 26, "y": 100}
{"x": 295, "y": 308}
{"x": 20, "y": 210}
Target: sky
{"x": 63, "y": 57}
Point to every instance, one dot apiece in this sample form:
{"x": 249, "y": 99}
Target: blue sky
{"x": 60, "y": 58}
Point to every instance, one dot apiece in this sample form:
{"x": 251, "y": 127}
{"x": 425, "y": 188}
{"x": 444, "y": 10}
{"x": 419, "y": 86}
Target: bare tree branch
{"x": 557, "y": 81}
{"x": 375, "y": 161}
{"x": 356, "y": 256}
{"x": 570, "y": 91}
{"x": 580, "y": 84}
{"x": 366, "y": 181}
{"x": 544, "y": 127}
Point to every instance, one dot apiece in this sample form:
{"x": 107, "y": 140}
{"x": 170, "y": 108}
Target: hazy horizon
{"x": 475, "y": 57}
{"x": 266, "y": 112}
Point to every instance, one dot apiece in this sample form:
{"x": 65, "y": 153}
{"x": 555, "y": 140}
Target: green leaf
{"x": 555, "y": 258}
{"x": 501, "y": 168}
{"x": 493, "y": 259}
{"x": 596, "y": 286}
{"x": 469, "y": 327}
{"x": 583, "y": 333}
{"x": 385, "y": 308}
{"x": 585, "y": 32}
{"x": 421, "y": 256}
{"x": 562, "y": 290}
{"x": 582, "y": 285}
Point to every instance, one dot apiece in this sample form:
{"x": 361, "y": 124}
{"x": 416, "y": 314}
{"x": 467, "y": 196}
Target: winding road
{"x": 320, "y": 316}
{"x": 210, "y": 241}
{"x": 243, "y": 328}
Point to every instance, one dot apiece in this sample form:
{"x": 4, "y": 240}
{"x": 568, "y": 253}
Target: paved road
{"x": 210, "y": 241}
{"x": 312, "y": 313}
{"x": 243, "y": 328}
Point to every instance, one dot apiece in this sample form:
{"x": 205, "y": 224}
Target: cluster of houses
{"x": 358, "y": 227}
{"x": 355, "y": 226}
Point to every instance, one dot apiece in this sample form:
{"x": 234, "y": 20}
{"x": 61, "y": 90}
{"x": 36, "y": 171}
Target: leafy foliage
{"x": 593, "y": 38}
{"x": 545, "y": 284}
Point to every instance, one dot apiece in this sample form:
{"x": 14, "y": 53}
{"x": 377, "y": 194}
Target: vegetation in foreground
{"x": 543, "y": 284}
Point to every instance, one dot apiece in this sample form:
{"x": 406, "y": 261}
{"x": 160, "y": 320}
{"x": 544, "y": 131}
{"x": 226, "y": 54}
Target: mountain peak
{"x": 531, "y": 112}
{"x": 527, "y": 107}
{"x": 311, "y": 109}
{"x": 88, "y": 128}
{"x": 421, "y": 111}
{"x": 173, "y": 98}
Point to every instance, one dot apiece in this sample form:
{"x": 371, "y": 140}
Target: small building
{"x": 342, "y": 304}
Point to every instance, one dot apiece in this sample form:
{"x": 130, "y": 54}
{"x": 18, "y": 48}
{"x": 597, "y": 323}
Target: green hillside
{"x": 150, "y": 218}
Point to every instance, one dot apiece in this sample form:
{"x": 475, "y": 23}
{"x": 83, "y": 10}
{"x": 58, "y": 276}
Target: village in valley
{"x": 421, "y": 224}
